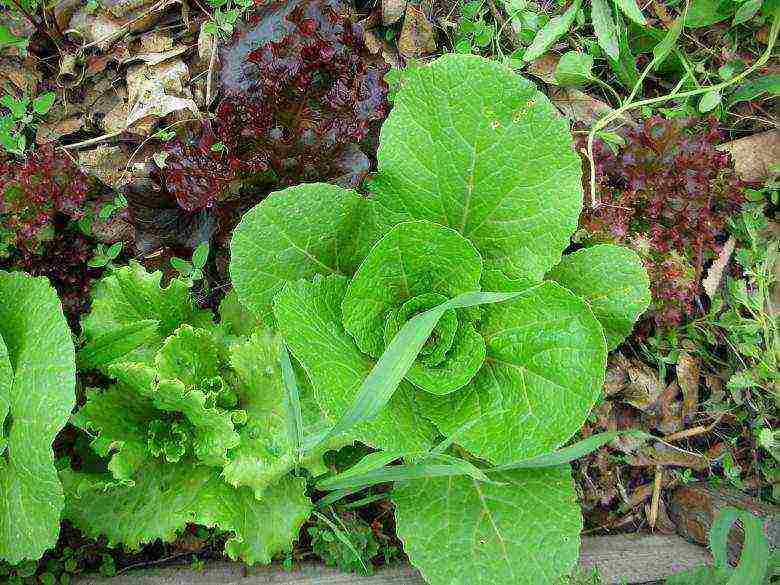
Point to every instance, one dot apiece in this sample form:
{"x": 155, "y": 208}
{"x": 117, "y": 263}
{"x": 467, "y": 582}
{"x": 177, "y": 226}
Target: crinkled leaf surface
{"x": 297, "y": 233}
{"x": 309, "y": 319}
{"x": 459, "y": 531}
{"x": 39, "y": 400}
{"x": 264, "y": 454}
{"x": 118, "y": 418}
{"x": 189, "y": 355}
{"x": 165, "y": 497}
{"x": 412, "y": 259}
{"x": 543, "y": 372}
{"x": 131, "y": 294}
{"x": 613, "y": 281}
{"x": 473, "y": 146}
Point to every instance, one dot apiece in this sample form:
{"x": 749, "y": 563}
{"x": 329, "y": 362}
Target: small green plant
{"x": 23, "y": 115}
{"x": 37, "y": 381}
{"x": 105, "y": 255}
{"x": 226, "y": 14}
{"x": 192, "y": 272}
{"x": 349, "y": 543}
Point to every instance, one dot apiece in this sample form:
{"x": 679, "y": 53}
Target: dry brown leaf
{"x": 661, "y": 454}
{"x": 644, "y": 387}
{"x": 107, "y": 163}
{"x": 715, "y": 274}
{"x": 392, "y": 11}
{"x": 616, "y": 377}
{"x": 665, "y": 414}
{"x": 158, "y": 90}
{"x": 688, "y": 368}
{"x": 755, "y": 155}
{"x": 48, "y": 132}
{"x": 417, "y": 37}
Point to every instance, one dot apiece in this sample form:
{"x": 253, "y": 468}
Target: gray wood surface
{"x": 623, "y": 558}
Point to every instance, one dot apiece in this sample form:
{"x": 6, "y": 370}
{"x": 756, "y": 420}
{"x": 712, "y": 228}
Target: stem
{"x": 629, "y": 105}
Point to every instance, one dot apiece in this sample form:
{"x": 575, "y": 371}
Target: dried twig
{"x": 653, "y": 516}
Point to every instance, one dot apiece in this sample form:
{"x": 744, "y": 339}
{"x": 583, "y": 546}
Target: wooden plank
{"x": 619, "y": 559}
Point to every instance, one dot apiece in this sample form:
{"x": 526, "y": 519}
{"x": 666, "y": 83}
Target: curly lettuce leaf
{"x": 613, "y": 281}
{"x": 264, "y": 453}
{"x": 543, "y": 372}
{"x": 36, "y": 401}
{"x": 166, "y": 497}
{"x": 522, "y": 530}
{"x": 297, "y": 233}
{"x": 118, "y": 418}
{"x": 473, "y": 146}
{"x": 189, "y": 355}
{"x": 309, "y": 319}
{"x": 131, "y": 294}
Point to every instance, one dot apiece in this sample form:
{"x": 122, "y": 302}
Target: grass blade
{"x": 450, "y": 466}
{"x": 292, "y": 403}
{"x": 116, "y": 344}
{"x": 572, "y": 452}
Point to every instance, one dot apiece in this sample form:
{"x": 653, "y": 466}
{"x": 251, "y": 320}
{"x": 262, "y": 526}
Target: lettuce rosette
{"x": 477, "y": 194}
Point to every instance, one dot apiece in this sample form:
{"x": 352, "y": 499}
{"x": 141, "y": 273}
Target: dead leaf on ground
{"x": 49, "y": 132}
{"x": 755, "y": 155}
{"x": 107, "y": 163}
{"x": 417, "y": 38}
{"x": 715, "y": 274}
{"x": 616, "y": 378}
{"x": 158, "y": 90}
{"x": 665, "y": 414}
{"x": 576, "y": 105}
{"x": 688, "y": 369}
{"x": 644, "y": 387}
{"x": 661, "y": 454}
{"x": 19, "y": 75}
{"x": 392, "y": 11}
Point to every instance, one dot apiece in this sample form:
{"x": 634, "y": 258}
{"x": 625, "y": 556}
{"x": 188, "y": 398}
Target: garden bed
{"x": 625, "y": 559}
{"x": 501, "y": 281}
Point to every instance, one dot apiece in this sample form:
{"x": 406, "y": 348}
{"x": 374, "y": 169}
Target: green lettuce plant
{"x": 441, "y": 309}
{"x": 193, "y": 428}
{"x": 37, "y": 380}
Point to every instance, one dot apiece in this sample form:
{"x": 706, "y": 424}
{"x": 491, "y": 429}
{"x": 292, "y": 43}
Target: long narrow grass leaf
{"x": 572, "y": 452}
{"x": 292, "y": 402}
{"x": 452, "y": 466}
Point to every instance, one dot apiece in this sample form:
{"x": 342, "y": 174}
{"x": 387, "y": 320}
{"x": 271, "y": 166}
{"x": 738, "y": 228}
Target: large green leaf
{"x": 543, "y": 372}
{"x": 309, "y": 319}
{"x": 523, "y": 530}
{"x": 166, "y": 497}
{"x": 297, "y": 233}
{"x": 413, "y": 259}
{"x": 473, "y": 146}
{"x": 129, "y": 295}
{"x": 613, "y": 281}
{"x": 36, "y": 404}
